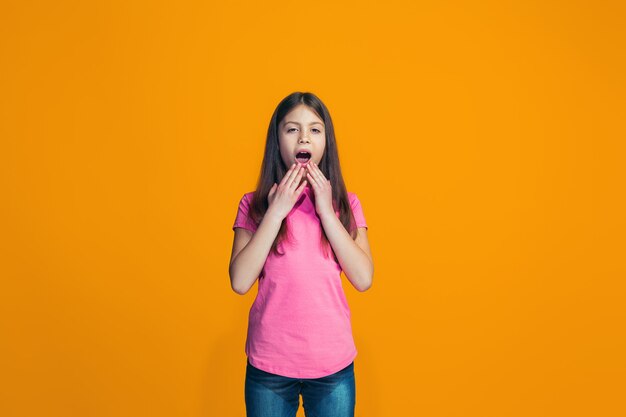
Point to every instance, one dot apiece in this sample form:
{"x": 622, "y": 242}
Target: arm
{"x": 250, "y": 251}
{"x": 354, "y": 256}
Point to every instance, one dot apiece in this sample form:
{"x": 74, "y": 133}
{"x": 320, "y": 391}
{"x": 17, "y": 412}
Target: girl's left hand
{"x": 322, "y": 189}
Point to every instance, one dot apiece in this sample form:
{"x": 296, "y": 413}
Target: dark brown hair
{"x": 273, "y": 169}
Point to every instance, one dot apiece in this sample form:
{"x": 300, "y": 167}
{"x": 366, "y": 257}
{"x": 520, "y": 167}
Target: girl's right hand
{"x": 282, "y": 197}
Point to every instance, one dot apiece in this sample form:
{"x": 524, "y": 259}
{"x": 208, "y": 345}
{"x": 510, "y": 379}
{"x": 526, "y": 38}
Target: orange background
{"x": 485, "y": 141}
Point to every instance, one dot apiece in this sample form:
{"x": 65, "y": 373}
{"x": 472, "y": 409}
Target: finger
{"x": 287, "y": 174}
{"x": 315, "y": 173}
{"x": 314, "y": 168}
{"x": 271, "y": 193}
{"x": 301, "y": 188}
{"x": 319, "y": 171}
{"x": 312, "y": 179}
{"x": 299, "y": 176}
{"x": 294, "y": 175}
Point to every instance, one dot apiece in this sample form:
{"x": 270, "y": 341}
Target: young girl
{"x": 296, "y": 233}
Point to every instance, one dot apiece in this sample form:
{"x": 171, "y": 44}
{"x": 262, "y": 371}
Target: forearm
{"x": 353, "y": 260}
{"x": 248, "y": 264}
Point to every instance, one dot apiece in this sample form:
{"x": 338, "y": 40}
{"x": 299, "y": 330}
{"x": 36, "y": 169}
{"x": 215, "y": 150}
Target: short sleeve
{"x": 242, "y": 219}
{"x": 357, "y": 211}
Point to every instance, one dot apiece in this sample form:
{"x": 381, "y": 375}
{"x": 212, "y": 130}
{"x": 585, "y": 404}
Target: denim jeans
{"x": 271, "y": 395}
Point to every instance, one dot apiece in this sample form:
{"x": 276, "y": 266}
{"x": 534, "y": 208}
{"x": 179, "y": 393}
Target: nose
{"x": 304, "y": 137}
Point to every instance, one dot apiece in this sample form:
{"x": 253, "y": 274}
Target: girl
{"x": 296, "y": 233}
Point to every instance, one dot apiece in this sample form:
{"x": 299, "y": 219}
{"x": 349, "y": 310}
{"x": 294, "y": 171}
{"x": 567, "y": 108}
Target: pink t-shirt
{"x": 299, "y": 324}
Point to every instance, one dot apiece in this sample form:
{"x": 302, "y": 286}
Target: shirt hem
{"x": 288, "y": 374}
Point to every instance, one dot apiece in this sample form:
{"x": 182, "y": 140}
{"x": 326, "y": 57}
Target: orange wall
{"x": 485, "y": 141}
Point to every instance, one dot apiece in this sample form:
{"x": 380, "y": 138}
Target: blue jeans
{"x": 271, "y": 395}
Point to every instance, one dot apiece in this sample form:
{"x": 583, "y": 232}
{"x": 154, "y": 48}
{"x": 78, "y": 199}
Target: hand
{"x": 282, "y": 197}
{"x": 322, "y": 189}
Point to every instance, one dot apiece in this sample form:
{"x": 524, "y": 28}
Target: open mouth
{"x": 303, "y": 157}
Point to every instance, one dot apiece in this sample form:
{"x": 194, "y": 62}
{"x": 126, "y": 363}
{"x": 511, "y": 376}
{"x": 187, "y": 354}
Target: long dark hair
{"x": 273, "y": 169}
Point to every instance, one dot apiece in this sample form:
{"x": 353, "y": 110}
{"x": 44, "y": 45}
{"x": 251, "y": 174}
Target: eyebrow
{"x": 312, "y": 123}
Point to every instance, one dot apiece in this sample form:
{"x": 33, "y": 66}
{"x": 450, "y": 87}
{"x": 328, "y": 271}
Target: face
{"x": 301, "y": 130}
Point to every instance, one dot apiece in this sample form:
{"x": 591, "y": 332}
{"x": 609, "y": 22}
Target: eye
{"x": 290, "y": 129}
{"x": 318, "y": 131}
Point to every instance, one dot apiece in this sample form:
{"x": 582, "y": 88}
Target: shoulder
{"x": 247, "y": 197}
{"x": 357, "y": 210}
{"x": 352, "y": 197}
